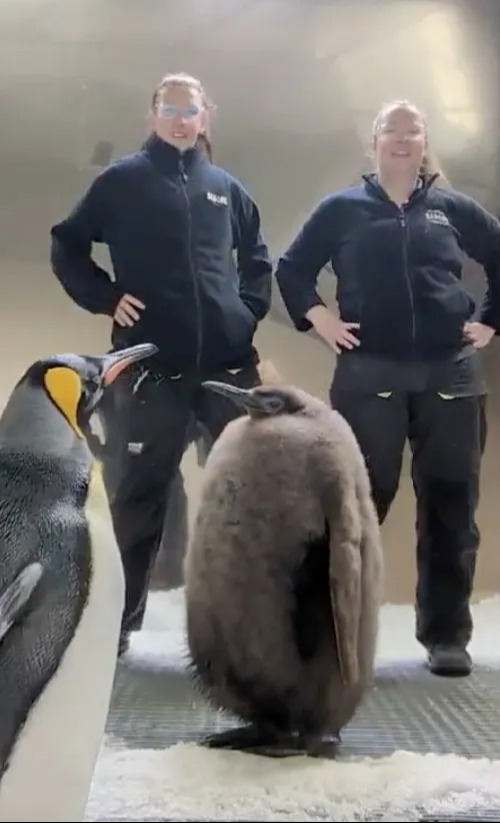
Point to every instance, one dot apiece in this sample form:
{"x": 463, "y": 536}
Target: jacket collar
{"x": 424, "y": 182}
{"x": 168, "y": 158}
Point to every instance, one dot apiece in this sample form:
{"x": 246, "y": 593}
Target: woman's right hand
{"x": 337, "y": 334}
{"x": 126, "y": 312}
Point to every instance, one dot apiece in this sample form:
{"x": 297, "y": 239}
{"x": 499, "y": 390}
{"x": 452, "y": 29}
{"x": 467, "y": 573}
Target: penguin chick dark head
{"x": 261, "y": 401}
{"x": 75, "y": 383}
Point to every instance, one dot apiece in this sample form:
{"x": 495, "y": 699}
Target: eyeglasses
{"x": 168, "y": 111}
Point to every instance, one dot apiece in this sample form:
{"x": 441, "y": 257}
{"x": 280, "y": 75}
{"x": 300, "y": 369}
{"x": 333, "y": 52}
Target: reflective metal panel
{"x": 297, "y": 84}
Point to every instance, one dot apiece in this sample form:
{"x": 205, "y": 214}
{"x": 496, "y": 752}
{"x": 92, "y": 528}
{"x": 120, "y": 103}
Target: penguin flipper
{"x": 345, "y": 534}
{"x": 16, "y": 596}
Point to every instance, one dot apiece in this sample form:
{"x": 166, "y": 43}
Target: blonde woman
{"x": 408, "y": 337}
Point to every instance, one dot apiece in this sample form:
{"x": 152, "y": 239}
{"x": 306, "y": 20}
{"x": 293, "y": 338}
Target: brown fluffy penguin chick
{"x": 284, "y": 574}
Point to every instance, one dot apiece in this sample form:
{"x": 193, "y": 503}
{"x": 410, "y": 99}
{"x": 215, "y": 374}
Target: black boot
{"x": 449, "y": 660}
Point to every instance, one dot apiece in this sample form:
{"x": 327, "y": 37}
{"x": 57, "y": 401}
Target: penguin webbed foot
{"x": 324, "y": 746}
{"x": 253, "y": 739}
{"x": 296, "y": 745}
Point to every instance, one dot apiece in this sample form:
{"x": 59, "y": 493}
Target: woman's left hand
{"x": 478, "y": 334}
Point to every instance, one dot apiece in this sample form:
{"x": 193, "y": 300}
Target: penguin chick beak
{"x": 116, "y": 362}
{"x": 253, "y": 402}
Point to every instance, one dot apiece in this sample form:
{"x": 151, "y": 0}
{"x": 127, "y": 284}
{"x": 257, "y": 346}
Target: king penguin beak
{"x": 116, "y": 362}
{"x": 241, "y": 397}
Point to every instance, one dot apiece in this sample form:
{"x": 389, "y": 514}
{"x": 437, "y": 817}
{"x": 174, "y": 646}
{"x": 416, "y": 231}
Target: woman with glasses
{"x": 192, "y": 274}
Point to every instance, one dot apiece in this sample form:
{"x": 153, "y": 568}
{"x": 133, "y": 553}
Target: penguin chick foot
{"x": 254, "y": 740}
{"x": 239, "y": 738}
{"x": 322, "y": 747}
{"x": 278, "y": 747}
{"x": 292, "y": 745}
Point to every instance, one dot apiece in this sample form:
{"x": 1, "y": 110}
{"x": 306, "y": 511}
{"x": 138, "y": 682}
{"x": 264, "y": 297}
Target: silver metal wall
{"x": 297, "y": 84}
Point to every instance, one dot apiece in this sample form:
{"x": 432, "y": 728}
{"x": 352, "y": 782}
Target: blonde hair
{"x": 183, "y": 80}
{"x": 430, "y": 164}
{"x": 204, "y": 145}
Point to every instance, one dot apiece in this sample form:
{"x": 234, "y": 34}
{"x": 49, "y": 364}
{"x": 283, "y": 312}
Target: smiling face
{"x": 179, "y": 113}
{"x": 400, "y": 140}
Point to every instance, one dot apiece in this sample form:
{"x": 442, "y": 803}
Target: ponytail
{"x": 204, "y": 145}
{"x": 430, "y": 167}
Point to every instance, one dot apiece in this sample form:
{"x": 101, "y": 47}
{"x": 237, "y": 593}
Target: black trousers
{"x": 447, "y": 436}
{"x": 168, "y": 570}
{"x": 147, "y": 423}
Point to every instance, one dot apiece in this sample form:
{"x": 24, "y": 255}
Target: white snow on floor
{"x": 187, "y": 782}
{"x": 163, "y": 635}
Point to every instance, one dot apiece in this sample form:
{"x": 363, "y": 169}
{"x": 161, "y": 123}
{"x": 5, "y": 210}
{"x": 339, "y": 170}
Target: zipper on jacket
{"x": 402, "y": 222}
{"x": 192, "y": 266}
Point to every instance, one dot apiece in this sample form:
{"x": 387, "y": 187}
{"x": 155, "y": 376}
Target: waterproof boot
{"x": 449, "y": 660}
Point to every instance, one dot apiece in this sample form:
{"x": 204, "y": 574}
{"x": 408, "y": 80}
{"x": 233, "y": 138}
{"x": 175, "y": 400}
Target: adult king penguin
{"x": 61, "y": 589}
{"x": 284, "y": 574}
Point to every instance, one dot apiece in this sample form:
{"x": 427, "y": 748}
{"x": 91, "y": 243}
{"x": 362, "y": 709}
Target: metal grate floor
{"x": 408, "y": 708}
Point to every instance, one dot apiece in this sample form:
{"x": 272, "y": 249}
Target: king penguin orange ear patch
{"x": 64, "y": 387}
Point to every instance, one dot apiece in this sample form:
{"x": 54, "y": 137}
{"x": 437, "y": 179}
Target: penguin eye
{"x": 273, "y": 405}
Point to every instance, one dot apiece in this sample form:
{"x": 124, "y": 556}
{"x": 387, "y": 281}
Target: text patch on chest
{"x": 217, "y": 199}
{"x": 437, "y": 217}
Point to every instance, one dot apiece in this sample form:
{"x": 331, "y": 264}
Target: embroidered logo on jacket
{"x": 437, "y": 217}
{"x": 218, "y": 199}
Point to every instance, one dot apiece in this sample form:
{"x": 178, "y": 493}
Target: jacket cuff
{"x": 300, "y": 320}
{"x": 110, "y": 300}
{"x": 490, "y": 318}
